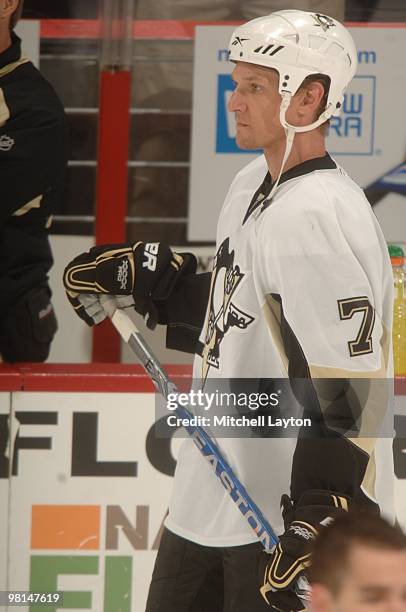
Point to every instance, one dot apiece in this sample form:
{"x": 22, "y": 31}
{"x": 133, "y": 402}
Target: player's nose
{"x": 236, "y": 103}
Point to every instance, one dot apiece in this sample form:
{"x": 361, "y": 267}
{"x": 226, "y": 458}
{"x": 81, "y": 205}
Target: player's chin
{"x": 246, "y": 144}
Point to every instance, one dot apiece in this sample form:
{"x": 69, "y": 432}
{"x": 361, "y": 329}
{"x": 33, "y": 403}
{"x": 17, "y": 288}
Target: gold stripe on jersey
{"x": 35, "y": 203}
{"x": 11, "y": 67}
{"x": 208, "y": 343}
{"x": 318, "y": 371}
{"x": 4, "y": 109}
{"x": 369, "y": 480}
{"x": 272, "y": 314}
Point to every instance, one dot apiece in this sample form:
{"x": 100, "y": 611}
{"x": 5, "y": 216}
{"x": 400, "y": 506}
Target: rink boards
{"x": 90, "y": 483}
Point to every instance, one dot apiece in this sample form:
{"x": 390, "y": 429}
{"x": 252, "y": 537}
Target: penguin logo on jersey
{"x": 223, "y": 312}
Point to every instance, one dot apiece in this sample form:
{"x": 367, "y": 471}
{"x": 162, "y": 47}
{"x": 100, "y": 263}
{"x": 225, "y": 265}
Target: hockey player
{"x": 301, "y": 288}
{"x": 33, "y": 159}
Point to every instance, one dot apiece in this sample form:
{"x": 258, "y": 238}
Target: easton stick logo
{"x": 223, "y": 313}
{"x": 231, "y": 488}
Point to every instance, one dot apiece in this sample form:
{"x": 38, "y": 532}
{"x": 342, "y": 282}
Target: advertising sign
{"x": 89, "y": 491}
{"x": 368, "y": 139}
{"x": 90, "y": 485}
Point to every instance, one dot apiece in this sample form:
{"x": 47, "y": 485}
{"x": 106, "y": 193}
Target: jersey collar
{"x": 12, "y": 53}
{"x": 259, "y": 198}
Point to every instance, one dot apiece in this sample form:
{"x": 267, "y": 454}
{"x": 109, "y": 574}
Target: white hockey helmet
{"x": 298, "y": 44}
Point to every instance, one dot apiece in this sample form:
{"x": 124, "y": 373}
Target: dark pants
{"x": 26, "y": 332}
{"x": 191, "y": 578}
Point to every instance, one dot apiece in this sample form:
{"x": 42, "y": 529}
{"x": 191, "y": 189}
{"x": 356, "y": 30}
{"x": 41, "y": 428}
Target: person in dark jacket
{"x": 33, "y": 155}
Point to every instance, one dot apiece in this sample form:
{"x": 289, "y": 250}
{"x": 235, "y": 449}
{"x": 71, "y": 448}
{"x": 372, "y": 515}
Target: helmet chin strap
{"x": 290, "y": 134}
{"x": 290, "y": 131}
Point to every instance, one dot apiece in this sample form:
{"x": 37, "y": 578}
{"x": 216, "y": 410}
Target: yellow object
{"x": 399, "y": 311}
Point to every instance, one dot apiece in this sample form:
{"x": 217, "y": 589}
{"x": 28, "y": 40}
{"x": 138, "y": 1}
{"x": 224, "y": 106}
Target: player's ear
{"x": 310, "y": 98}
{"x": 8, "y": 7}
{"x": 321, "y": 599}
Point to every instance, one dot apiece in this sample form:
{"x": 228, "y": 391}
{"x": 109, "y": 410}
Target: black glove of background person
{"x": 280, "y": 570}
{"x": 145, "y": 272}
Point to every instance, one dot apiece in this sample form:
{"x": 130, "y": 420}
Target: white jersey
{"x": 300, "y": 287}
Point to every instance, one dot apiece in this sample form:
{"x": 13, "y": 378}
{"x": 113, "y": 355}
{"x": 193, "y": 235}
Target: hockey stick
{"x": 393, "y": 181}
{"x": 236, "y": 490}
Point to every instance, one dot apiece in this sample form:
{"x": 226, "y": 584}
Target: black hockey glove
{"x": 145, "y": 272}
{"x": 282, "y": 573}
